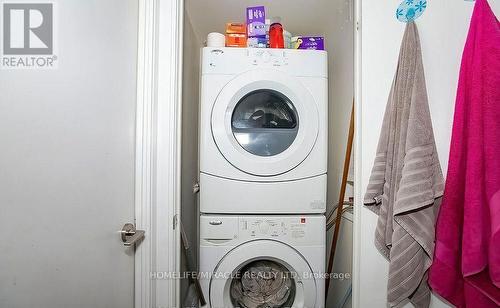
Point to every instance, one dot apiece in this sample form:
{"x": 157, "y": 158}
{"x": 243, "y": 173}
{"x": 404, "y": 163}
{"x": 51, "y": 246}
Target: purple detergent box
{"x": 257, "y": 42}
{"x": 256, "y": 21}
{"x": 308, "y": 42}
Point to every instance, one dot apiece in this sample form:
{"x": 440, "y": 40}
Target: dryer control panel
{"x": 303, "y": 230}
{"x": 267, "y": 57}
{"x": 234, "y": 61}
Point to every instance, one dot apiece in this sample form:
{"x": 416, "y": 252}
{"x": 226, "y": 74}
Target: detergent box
{"x": 308, "y": 42}
{"x": 256, "y": 21}
{"x": 257, "y": 42}
{"x": 236, "y": 34}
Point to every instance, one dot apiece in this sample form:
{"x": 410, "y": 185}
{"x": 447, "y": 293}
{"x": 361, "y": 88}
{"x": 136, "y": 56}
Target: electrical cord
{"x": 332, "y": 210}
{"x": 333, "y": 222}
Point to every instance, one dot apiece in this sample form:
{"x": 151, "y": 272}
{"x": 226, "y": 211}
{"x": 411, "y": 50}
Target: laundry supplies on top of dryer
{"x": 263, "y": 131}
{"x": 236, "y": 34}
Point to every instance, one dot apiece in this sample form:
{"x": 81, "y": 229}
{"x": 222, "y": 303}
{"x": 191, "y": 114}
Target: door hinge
{"x": 196, "y": 188}
{"x": 175, "y": 221}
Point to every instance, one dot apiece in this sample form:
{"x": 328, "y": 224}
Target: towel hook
{"x": 409, "y": 10}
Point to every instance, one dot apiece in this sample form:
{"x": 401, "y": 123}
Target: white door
{"x": 67, "y": 147}
{"x": 265, "y": 122}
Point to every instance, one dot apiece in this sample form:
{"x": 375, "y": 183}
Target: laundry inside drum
{"x": 263, "y": 284}
{"x": 265, "y": 122}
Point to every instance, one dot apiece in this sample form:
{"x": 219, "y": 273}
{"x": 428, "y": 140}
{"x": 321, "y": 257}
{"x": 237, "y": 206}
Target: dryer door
{"x": 265, "y": 122}
{"x": 263, "y": 273}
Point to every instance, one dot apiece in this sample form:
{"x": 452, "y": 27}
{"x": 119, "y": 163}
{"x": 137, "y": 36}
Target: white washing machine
{"x": 262, "y": 261}
{"x": 263, "y": 131}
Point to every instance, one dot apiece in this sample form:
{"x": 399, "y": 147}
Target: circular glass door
{"x": 263, "y": 283}
{"x": 262, "y": 273}
{"x": 265, "y": 122}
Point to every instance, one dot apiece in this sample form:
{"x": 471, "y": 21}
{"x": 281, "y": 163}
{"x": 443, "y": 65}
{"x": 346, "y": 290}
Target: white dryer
{"x": 251, "y": 261}
{"x": 263, "y": 130}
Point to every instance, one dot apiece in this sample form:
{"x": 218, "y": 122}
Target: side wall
{"x": 339, "y": 38}
{"x": 443, "y": 30}
{"x": 189, "y": 159}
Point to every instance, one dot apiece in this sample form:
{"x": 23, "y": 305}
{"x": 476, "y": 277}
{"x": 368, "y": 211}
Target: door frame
{"x": 159, "y": 110}
{"x": 358, "y": 193}
{"x": 158, "y": 152}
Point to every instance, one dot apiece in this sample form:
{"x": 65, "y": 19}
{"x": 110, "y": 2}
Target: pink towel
{"x": 466, "y": 267}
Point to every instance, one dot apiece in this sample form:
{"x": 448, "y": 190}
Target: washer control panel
{"x": 263, "y": 227}
{"x": 294, "y": 229}
{"x": 231, "y": 229}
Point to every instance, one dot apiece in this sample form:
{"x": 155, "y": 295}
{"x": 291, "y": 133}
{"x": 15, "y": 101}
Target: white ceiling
{"x": 300, "y": 17}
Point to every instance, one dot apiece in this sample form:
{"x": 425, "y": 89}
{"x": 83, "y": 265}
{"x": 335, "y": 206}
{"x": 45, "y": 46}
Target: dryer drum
{"x": 265, "y": 122}
{"x": 263, "y": 284}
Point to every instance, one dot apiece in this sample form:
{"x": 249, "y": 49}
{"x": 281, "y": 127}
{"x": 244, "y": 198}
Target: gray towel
{"x": 406, "y": 183}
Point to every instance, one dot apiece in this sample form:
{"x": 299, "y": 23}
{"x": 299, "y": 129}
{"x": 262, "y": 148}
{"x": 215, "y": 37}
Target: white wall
{"x": 339, "y": 34}
{"x": 342, "y": 266}
{"x": 210, "y": 16}
{"x": 443, "y": 29}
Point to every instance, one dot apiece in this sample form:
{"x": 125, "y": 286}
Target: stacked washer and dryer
{"x": 263, "y": 163}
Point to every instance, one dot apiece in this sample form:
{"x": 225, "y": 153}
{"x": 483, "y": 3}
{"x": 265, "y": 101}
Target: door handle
{"x": 130, "y": 235}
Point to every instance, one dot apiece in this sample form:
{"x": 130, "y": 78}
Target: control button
{"x": 264, "y": 227}
{"x": 277, "y": 230}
